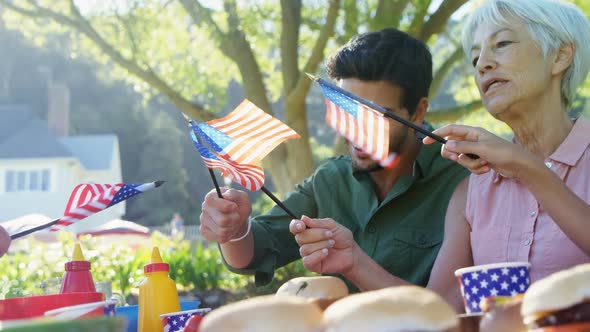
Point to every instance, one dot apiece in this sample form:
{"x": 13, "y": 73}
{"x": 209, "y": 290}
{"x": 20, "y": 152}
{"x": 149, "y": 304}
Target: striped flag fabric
{"x": 249, "y": 176}
{"x": 236, "y": 142}
{"x": 364, "y": 127}
{"x": 89, "y": 198}
{"x": 247, "y": 134}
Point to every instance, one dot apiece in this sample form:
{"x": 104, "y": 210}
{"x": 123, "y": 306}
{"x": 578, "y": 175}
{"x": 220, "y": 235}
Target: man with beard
{"x": 396, "y": 215}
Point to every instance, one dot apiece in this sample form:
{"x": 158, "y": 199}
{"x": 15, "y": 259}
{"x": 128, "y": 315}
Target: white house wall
{"x": 66, "y": 173}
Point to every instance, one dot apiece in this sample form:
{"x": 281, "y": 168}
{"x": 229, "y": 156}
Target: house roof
{"x": 94, "y": 151}
{"x": 24, "y": 136}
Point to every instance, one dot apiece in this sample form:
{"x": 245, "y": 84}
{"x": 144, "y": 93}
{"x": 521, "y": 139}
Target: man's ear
{"x": 563, "y": 58}
{"x": 420, "y": 112}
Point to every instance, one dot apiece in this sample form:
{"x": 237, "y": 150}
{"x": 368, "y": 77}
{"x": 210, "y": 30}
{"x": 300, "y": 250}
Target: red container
{"x": 33, "y": 306}
{"x": 77, "y": 278}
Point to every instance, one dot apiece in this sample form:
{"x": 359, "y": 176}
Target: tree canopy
{"x": 190, "y": 51}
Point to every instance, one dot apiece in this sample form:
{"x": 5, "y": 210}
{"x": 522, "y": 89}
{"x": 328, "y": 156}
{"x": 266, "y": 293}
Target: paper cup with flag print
{"x": 492, "y": 280}
{"x": 175, "y": 321}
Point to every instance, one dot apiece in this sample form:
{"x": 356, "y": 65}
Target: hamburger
{"x": 267, "y": 313}
{"x": 322, "y": 291}
{"x": 394, "y": 309}
{"x": 559, "y": 302}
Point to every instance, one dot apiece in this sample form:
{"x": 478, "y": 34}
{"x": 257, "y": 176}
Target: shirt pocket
{"x": 490, "y": 245}
{"x": 414, "y": 253}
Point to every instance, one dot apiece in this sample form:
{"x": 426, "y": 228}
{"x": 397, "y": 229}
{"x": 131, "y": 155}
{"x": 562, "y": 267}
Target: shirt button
{"x": 527, "y": 242}
{"x": 548, "y": 164}
{"x": 371, "y": 229}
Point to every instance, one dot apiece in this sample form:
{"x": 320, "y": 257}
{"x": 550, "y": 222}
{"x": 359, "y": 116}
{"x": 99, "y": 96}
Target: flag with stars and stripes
{"x": 249, "y": 176}
{"x": 247, "y": 134}
{"x": 89, "y": 198}
{"x": 476, "y": 286}
{"x": 362, "y": 126}
{"x": 236, "y": 142}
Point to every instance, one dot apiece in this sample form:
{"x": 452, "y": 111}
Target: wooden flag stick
{"x": 278, "y": 202}
{"x": 34, "y": 229}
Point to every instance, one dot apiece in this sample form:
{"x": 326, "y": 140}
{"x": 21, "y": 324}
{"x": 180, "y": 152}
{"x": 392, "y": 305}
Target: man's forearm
{"x": 239, "y": 254}
{"x": 366, "y": 274}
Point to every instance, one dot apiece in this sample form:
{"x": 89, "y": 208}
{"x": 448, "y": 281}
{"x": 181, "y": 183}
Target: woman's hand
{"x": 494, "y": 152}
{"x": 4, "y": 241}
{"x": 325, "y": 245}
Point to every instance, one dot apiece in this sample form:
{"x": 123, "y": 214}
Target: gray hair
{"x": 550, "y": 23}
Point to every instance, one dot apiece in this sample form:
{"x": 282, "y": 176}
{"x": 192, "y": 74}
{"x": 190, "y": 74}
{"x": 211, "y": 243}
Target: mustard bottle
{"x": 157, "y": 294}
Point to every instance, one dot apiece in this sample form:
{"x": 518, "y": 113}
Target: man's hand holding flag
{"x": 237, "y": 141}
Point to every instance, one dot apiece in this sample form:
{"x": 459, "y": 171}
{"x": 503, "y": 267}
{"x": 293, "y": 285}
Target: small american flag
{"x": 250, "y": 177}
{"x": 236, "y": 142}
{"x": 247, "y": 134}
{"x": 364, "y": 127}
{"x": 89, "y": 198}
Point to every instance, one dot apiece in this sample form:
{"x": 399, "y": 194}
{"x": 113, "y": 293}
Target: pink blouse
{"x": 507, "y": 223}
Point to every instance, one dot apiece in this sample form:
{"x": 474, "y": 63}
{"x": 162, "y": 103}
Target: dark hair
{"x": 387, "y": 55}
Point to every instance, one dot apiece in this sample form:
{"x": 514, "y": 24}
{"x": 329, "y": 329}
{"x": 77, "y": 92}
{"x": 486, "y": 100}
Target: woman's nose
{"x": 485, "y": 63}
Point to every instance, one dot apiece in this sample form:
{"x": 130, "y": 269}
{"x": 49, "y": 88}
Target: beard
{"x": 366, "y": 165}
{"x": 357, "y": 167}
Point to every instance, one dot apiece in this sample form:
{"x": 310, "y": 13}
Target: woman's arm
{"x": 455, "y": 252}
{"x": 568, "y": 211}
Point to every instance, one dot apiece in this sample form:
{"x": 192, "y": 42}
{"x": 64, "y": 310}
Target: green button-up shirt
{"x": 403, "y": 233}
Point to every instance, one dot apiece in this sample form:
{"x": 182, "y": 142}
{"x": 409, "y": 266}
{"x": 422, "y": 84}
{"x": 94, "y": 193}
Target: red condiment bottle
{"x": 77, "y": 277}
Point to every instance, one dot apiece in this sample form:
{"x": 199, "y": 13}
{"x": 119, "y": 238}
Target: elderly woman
{"x": 527, "y": 200}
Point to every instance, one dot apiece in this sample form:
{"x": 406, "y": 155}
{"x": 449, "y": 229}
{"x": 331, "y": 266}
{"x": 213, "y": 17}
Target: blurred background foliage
{"x": 193, "y": 267}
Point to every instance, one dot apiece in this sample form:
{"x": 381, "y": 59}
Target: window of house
{"x": 29, "y": 180}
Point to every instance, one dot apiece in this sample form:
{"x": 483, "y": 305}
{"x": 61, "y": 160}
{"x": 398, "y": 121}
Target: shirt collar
{"x": 571, "y": 149}
{"x": 574, "y": 145}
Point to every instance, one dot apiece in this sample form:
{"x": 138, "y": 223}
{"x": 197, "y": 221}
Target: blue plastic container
{"x": 130, "y": 312}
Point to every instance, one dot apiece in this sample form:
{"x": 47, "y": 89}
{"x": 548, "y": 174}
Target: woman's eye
{"x": 502, "y": 43}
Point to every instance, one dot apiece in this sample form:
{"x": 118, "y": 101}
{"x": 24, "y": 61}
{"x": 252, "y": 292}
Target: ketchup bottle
{"x": 77, "y": 277}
